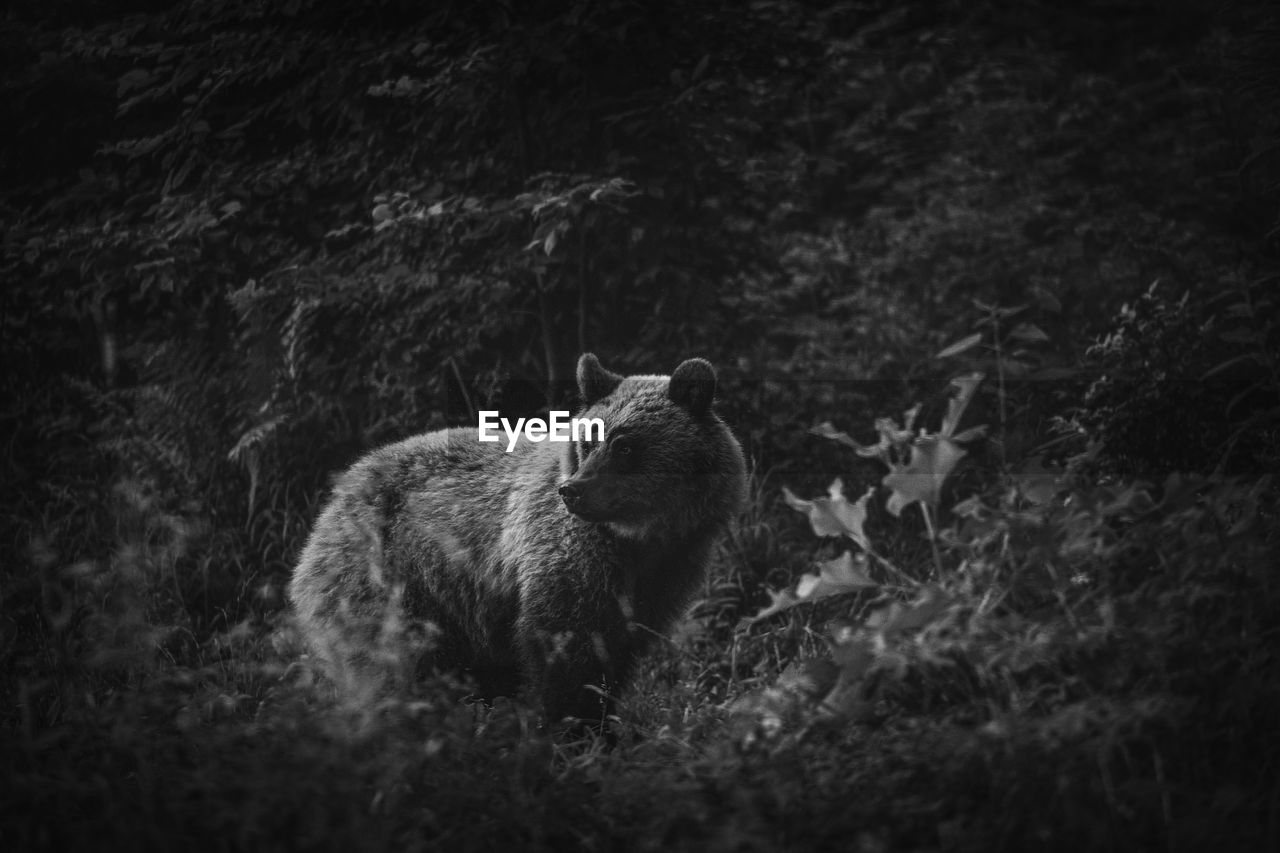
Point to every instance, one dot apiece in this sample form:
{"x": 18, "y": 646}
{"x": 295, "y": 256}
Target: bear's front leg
{"x": 576, "y": 650}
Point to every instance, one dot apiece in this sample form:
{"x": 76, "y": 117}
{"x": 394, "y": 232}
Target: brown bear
{"x": 550, "y": 565}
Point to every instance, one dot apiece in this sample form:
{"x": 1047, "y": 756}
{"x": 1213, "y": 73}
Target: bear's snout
{"x": 580, "y": 500}
{"x": 571, "y": 493}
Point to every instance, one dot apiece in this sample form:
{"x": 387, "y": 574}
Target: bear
{"x": 546, "y": 569}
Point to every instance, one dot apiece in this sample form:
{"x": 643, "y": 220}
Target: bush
{"x": 1187, "y": 385}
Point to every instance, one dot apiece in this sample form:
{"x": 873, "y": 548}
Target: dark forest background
{"x": 245, "y": 242}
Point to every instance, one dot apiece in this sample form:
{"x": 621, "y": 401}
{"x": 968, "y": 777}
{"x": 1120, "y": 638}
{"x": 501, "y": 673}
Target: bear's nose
{"x": 570, "y": 493}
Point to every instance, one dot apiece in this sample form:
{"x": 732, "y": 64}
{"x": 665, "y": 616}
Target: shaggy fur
{"x": 549, "y": 567}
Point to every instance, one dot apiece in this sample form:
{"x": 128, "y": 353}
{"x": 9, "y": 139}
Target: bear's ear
{"x": 594, "y": 382}
{"x": 693, "y": 386}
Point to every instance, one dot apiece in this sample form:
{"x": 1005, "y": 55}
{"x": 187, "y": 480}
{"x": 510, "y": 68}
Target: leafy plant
{"x": 1175, "y": 390}
{"x": 919, "y": 464}
{"x": 1009, "y": 354}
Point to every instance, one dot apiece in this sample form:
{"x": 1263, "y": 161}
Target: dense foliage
{"x": 244, "y": 242}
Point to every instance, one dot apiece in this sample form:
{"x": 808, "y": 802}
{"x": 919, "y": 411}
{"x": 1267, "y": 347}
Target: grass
{"x": 1129, "y": 709}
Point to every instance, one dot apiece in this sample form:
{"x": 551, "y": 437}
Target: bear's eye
{"x": 625, "y": 451}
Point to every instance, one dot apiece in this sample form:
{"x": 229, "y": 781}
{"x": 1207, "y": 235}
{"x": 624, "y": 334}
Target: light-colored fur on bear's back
{"x": 430, "y": 510}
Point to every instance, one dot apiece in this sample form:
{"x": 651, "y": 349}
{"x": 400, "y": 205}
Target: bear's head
{"x": 667, "y": 464}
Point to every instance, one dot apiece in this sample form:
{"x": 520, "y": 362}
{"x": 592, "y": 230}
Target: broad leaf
{"x": 1037, "y": 483}
{"x": 834, "y": 515}
{"x": 966, "y": 386}
{"x": 813, "y": 677}
{"x": 843, "y": 574}
{"x": 963, "y": 345}
{"x": 899, "y": 618}
{"x": 827, "y": 430}
{"x": 1028, "y": 333}
{"x": 970, "y": 434}
{"x": 778, "y": 601}
{"x": 933, "y": 458}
